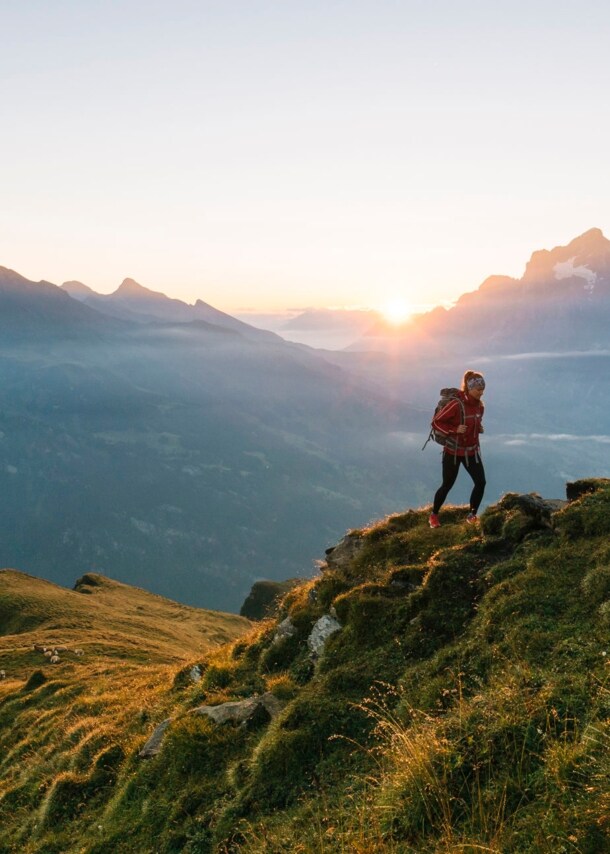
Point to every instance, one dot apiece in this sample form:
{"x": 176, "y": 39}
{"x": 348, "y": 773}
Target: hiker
{"x": 460, "y": 422}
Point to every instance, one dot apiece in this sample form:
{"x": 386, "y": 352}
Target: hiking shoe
{"x": 472, "y": 518}
{"x": 434, "y": 521}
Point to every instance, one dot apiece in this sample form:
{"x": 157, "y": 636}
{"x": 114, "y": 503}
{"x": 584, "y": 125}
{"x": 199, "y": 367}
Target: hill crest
{"x": 462, "y": 704}
{"x": 103, "y": 613}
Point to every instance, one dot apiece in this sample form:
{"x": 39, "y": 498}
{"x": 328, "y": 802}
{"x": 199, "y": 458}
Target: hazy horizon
{"x": 263, "y": 155}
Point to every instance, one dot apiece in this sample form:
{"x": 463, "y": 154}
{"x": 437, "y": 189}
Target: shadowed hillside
{"x": 186, "y": 454}
{"x": 429, "y": 691}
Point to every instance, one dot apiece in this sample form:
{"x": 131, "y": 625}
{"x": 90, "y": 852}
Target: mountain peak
{"x": 130, "y": 289}
{"x": 587, "y": 255}
{"x": 79, "y": 288}
{"x": 590, "y": 241}
{"x": 9, "y": 276}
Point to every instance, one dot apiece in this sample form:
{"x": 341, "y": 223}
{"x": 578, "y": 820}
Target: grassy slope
{"x": 59, "y": 721}
{"x": 102, "y": 616}
{"x": 464, "y": 706}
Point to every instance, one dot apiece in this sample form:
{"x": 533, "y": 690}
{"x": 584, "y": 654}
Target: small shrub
{"x": 302, "y": 669}
{"x": 492, "y": 521}
{"x": 279, "y": 656}
{"x": 66, "y": 799}
{"x": 249, "y": 648}
{"x": 217, "y": 676}
{"x": 107, "y": 766}
{"x": 313, "y": 726}
{"x": 504, "y": 570}
{"x": 604, "y": 612}
{"x": 282, "y": 686}
{"x": 596, "y": 584}
{"x": 329, "y": 588}
{"x": 517, "y": 525}
{"x": 588, "y": 516}
{"x": 37, "y": 679}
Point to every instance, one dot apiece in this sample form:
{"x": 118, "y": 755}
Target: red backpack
{"x": 447, "y": 395}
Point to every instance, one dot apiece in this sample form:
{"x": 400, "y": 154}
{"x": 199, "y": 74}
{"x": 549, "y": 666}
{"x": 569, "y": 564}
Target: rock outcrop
{"x": 243, "y": 712}
{"x": 286, "y": 629}
{"x": 154, "y": 743}
{"x": 341, "y": 555}
{"x": 532, "y": 505}
{"x": 251, "y": 712}
{"x": 263, "y": 598}
{"x": 322, "y": 630}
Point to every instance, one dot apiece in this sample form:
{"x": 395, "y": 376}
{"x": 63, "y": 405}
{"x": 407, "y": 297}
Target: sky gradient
{"x": 272, "y": 155}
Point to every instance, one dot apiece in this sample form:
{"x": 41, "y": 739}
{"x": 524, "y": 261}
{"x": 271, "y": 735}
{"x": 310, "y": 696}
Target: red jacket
{"x": 449, "y": 419}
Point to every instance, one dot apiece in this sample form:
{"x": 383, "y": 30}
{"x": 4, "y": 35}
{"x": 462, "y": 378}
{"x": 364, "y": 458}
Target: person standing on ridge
{"x": 461, "y": 422}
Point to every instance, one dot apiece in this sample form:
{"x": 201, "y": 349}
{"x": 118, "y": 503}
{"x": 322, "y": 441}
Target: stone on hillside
{"x": 195, "y": 674}
{"x": 189, "y": 675}
{"x": 286, "y": 629}
{"x": 322, "y": 630}
{"x": 532, "y": 505}
{"x": 250, "y": 713}
{"x": 257, "y": 709}
{"x": 154, "y": 743}
{"x": 342, "y": 555}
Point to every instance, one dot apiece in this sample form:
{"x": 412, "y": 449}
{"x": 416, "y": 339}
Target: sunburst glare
{"x": 396, "y": 310}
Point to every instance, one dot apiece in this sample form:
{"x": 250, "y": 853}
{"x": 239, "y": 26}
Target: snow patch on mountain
{"x": 566, "y": 269}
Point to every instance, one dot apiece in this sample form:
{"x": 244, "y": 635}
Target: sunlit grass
{"x": 463, "y": 707}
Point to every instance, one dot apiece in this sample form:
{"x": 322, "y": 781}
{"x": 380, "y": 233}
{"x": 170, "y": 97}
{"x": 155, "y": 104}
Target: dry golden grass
{"x": 54, "y": 731}
{"x": 109, "y": 620}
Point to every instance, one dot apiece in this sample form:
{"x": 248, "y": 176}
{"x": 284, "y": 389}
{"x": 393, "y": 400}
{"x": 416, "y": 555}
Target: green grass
{"x": 68, "y": 730}
{"x": 463, "y": 707}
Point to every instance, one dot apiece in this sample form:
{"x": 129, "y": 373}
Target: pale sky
{"x": 272, "y": 154}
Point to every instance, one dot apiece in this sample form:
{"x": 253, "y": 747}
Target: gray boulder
{"x": 242, "y": 712}
{"x": 154, "y": 743}
{"x": 195, "y": 674}
{"x": 532, "y": 505}
{"x": 343, "y": 554}
{"x": 322, "y": 630}
{"x": 251, "y": 712}
{"x": 286, "y": 629}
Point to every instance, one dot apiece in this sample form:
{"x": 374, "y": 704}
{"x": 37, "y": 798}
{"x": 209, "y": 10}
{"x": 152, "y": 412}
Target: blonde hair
{"x": 470, "y": 375}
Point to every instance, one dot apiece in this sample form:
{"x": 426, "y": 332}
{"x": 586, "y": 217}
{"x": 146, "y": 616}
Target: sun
{"x": 396, "y": 311}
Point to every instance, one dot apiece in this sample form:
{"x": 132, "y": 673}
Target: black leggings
{"x": 451, "y": 467}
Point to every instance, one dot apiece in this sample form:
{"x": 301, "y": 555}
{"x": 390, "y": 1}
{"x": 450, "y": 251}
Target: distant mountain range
{"x": 328, "y": 329}
{"x": 132, "y": 301}
{"x": 318, "y": 328}
{"x": 183, "y": 451}
{"x": 561, "y": 302}
{"x": 179, "y": 449}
